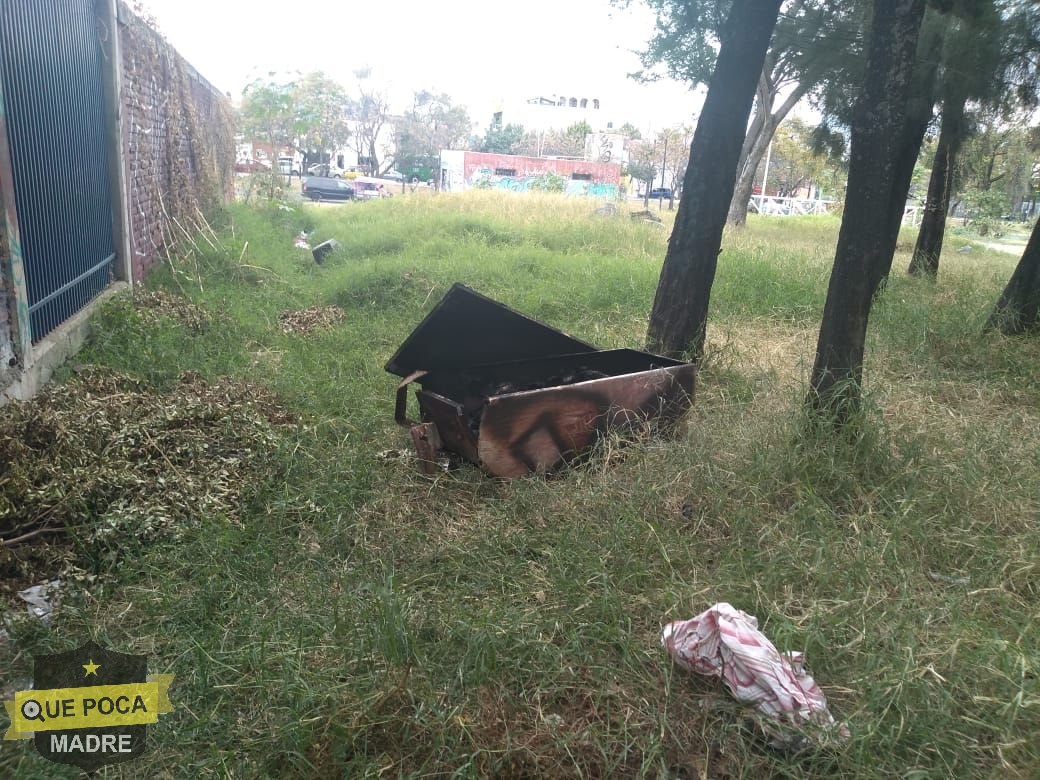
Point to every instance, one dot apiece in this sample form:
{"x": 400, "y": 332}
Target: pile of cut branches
{"x": 306, "y": 321}
{"x": 106, "y": 456}
{"x": 154, "y": 306}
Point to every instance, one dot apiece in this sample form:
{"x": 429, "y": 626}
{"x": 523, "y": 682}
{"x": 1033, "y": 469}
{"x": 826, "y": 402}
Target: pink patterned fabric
{"x": 724, "y": 642}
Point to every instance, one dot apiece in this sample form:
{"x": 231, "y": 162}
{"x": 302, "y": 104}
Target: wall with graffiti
{"x": 513, "y": 173}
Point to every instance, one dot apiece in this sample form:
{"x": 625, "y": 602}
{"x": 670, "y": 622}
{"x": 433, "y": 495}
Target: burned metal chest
{"x": 517, "y": 396}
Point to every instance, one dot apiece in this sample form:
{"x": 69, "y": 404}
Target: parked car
{"x": 367, "y": 188}
{"x": 395, "y": 175}
{"x": 251, "y": 166}
{"x": 661, "y": 192}
{"x": 325, "y": 188}
{"x": 288, "y": 167}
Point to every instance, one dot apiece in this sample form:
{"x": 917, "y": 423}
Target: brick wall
{"x": 179, "y": 151}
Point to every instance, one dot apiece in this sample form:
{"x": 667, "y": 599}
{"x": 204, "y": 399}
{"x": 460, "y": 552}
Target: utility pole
{"x": 664, "y": 163}
{"x": 650, "y": 182}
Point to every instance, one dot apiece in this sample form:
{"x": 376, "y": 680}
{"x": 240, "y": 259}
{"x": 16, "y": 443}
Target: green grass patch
{"x": 354, "y": 619}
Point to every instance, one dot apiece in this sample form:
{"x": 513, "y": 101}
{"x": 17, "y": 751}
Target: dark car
{"x": 661, "y": 192}
{"x": 322, "y": 188}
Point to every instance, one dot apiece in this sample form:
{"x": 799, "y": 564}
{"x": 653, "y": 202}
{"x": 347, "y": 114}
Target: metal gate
{"x": 51, "y": 65}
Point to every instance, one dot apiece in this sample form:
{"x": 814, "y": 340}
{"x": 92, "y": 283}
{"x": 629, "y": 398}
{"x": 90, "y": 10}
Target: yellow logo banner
{"x": 100, "y": 706}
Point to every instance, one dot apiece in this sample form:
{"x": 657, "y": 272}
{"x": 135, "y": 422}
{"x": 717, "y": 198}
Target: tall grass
{"x": 366, "y": 621}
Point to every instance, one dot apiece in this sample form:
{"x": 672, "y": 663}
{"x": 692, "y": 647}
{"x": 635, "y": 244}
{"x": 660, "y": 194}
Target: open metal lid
{"x": 469, "y": 329}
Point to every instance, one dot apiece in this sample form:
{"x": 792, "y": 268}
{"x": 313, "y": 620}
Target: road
{"x": 1011, "y": 249}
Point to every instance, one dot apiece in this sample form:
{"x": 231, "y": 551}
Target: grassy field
{"x": 353, "y": 619}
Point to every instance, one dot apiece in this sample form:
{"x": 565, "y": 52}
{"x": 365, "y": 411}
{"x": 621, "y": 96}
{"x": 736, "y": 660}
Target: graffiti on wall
{"x": 486, "y": 178}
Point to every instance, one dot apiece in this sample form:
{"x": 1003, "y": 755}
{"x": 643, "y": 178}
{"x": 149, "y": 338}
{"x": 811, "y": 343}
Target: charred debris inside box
{"x": 516, "y": 396}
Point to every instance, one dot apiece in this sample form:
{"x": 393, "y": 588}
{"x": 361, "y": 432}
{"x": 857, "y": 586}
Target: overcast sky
{"x": 478, "y": 51}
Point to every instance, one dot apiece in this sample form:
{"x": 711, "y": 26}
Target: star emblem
{"x": 91, "y": 668}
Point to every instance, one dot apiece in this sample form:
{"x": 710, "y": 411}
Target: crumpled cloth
{"x": 725, "y": 642}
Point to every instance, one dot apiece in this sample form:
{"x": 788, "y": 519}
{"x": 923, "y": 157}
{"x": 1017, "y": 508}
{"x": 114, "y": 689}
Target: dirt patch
{"x": 108, "y": 457}
{"x": 307, "y": 321}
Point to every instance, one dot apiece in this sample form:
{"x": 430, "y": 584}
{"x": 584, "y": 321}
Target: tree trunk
{"x": 763, "y": 105}
{"x": 925, "y": 260}
{"x": 745, "y": 183}
{"x": 865, "y": 242}
{"x": 903, "y": 174}
{"x": 756, "y": 150}
{"x": 680, "y": 311}
{"x": 919, "y": 111}
{"x": 1018, "y": 308}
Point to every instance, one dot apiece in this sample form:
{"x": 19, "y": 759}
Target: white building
{"x": 606, "y": 148}
{"x": 557, "y": 112}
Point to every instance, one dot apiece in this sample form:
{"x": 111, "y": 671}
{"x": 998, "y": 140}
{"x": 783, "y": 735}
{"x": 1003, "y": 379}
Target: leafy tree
{"x": 1000, "y": 154}
{"x": 835, "y": 97}
{"x": 642, "y": 164}
{"x": 432, "y": 123}
{"x": 680, "y": 310}
{"x": 533, "y": 144}
{"x": 368, "y": 111}
{"x": 629, "y": 131}
{"x": 998, "y": 169}
{"x": 318, "y": 112}
{"x": 796, "y": 162}
{"x": 305, "y": 114}
{"x": 969, "y": 69}
{"x": 501, "y": 139}
{"x": 989, "y": 68}
{"x": 569, "y": 143}
{"x": 811, "y": 42}
{"x": 864, "y": 249}
{"x": 673, "y": 145}
{"x": 268, "y": 113}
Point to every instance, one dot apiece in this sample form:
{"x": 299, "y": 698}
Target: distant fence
{"x": 788, "y": 207}
{"x": 792, "y": 207}
{"x": 912, "y": 214}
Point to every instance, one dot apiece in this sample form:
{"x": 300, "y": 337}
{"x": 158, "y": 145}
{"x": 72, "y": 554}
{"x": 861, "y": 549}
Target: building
{"x": 607, "y": 148}
{"x": 554, "y": 113}
{"x": 249, "y": 151}
{"x": 462, "y": 170}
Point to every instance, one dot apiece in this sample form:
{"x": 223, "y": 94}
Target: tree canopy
{"x": 810, "y": 44}
{"x": 501, "y": 139}
{"x": 432, "y": 123}
{"x": 306, "y": 113}
{"x": 368, "y": 110}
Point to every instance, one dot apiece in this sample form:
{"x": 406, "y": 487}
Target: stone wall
{"x": 179, "y": 150}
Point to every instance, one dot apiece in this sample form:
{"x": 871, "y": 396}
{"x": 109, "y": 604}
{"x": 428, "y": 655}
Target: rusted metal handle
{"x": 401, "y": 407}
